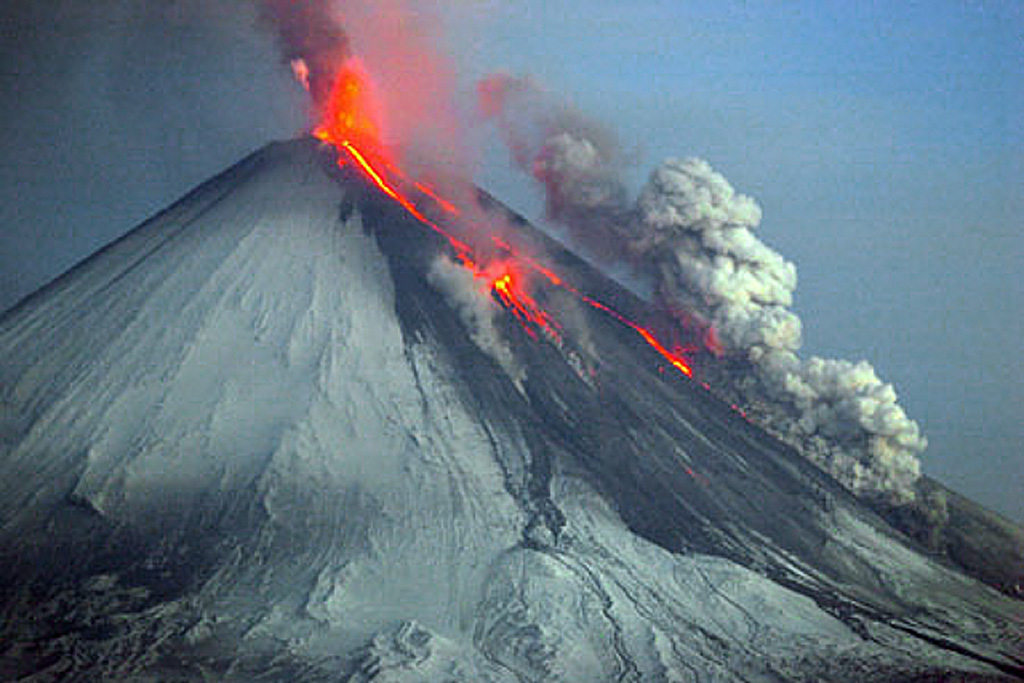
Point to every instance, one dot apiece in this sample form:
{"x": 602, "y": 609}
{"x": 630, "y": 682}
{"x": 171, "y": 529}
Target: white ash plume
{"x": 696, "y": 234}
{"x": 477, "y": 310}
{"x": 845, "y": 419}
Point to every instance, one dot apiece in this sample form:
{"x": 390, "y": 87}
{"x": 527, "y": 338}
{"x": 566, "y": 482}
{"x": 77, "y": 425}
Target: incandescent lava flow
{"x": 351, "y": 121}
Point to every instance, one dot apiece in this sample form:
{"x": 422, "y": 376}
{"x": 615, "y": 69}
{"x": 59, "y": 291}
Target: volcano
{"x": 258, "y": 439}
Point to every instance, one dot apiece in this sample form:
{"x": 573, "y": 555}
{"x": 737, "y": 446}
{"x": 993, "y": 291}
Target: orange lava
{"x": 678, "y": 361}
{"x": 438, "y": 199}
{"x": 510, "y": 291}
{"x": 352, "y": 124}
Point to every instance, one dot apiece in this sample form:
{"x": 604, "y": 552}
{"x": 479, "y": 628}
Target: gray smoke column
{"x": 846, "y": 419}
{"x": 576, "y": 159}
{"x": 694, "y": 236}
{"x": 308, "y": 31}
{"x": 696, "y": 233}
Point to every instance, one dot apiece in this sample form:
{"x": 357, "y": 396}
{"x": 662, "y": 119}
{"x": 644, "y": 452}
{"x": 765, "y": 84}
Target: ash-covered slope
{"x": 253, "y": 441}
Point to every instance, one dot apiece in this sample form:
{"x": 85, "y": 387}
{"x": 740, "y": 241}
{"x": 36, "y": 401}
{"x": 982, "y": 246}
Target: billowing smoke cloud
{"x": 477, "y": 310}
{"x": 693, "y": 235}
{"x": 846, "y": 420}
{"x": 696, "y": 234}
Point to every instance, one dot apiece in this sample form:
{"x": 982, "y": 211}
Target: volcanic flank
{"x": 277, "y": 432}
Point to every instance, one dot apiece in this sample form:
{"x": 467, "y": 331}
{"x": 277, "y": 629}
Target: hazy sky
{"x": 884, "y": 142}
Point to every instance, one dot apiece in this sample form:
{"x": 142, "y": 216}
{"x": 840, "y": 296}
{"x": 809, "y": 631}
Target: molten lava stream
{"x": 351, "y": 127}
{"x": 351, "y": 123}
{"x": 502, "y": 280}
{"x": 677, "y": 360}
{"x": 505, "y": 286}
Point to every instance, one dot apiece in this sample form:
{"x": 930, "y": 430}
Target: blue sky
{"x": 883, "y": 141}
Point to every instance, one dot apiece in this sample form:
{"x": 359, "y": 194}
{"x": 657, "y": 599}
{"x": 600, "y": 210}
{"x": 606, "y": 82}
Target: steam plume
{"x": 693, "y": 235}
{"x": 477, "y": 310}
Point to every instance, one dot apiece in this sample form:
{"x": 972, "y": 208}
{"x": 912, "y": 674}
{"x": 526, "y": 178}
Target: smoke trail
{"x": 693, "y": 235}
{"x": 576, "y": 159}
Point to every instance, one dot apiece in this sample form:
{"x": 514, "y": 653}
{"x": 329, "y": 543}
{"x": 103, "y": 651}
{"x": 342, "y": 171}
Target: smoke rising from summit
{"x": 308, "y": 31}
{"x": 692, "y": 235}
{"x": 397, "y": 42}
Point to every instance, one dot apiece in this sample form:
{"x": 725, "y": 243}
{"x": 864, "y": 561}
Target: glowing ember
{"x": 301, "y": 71}
{"x": 510, "y": 292}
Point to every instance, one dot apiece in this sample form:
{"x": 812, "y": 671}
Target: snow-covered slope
{"x": 253, "y": 441}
